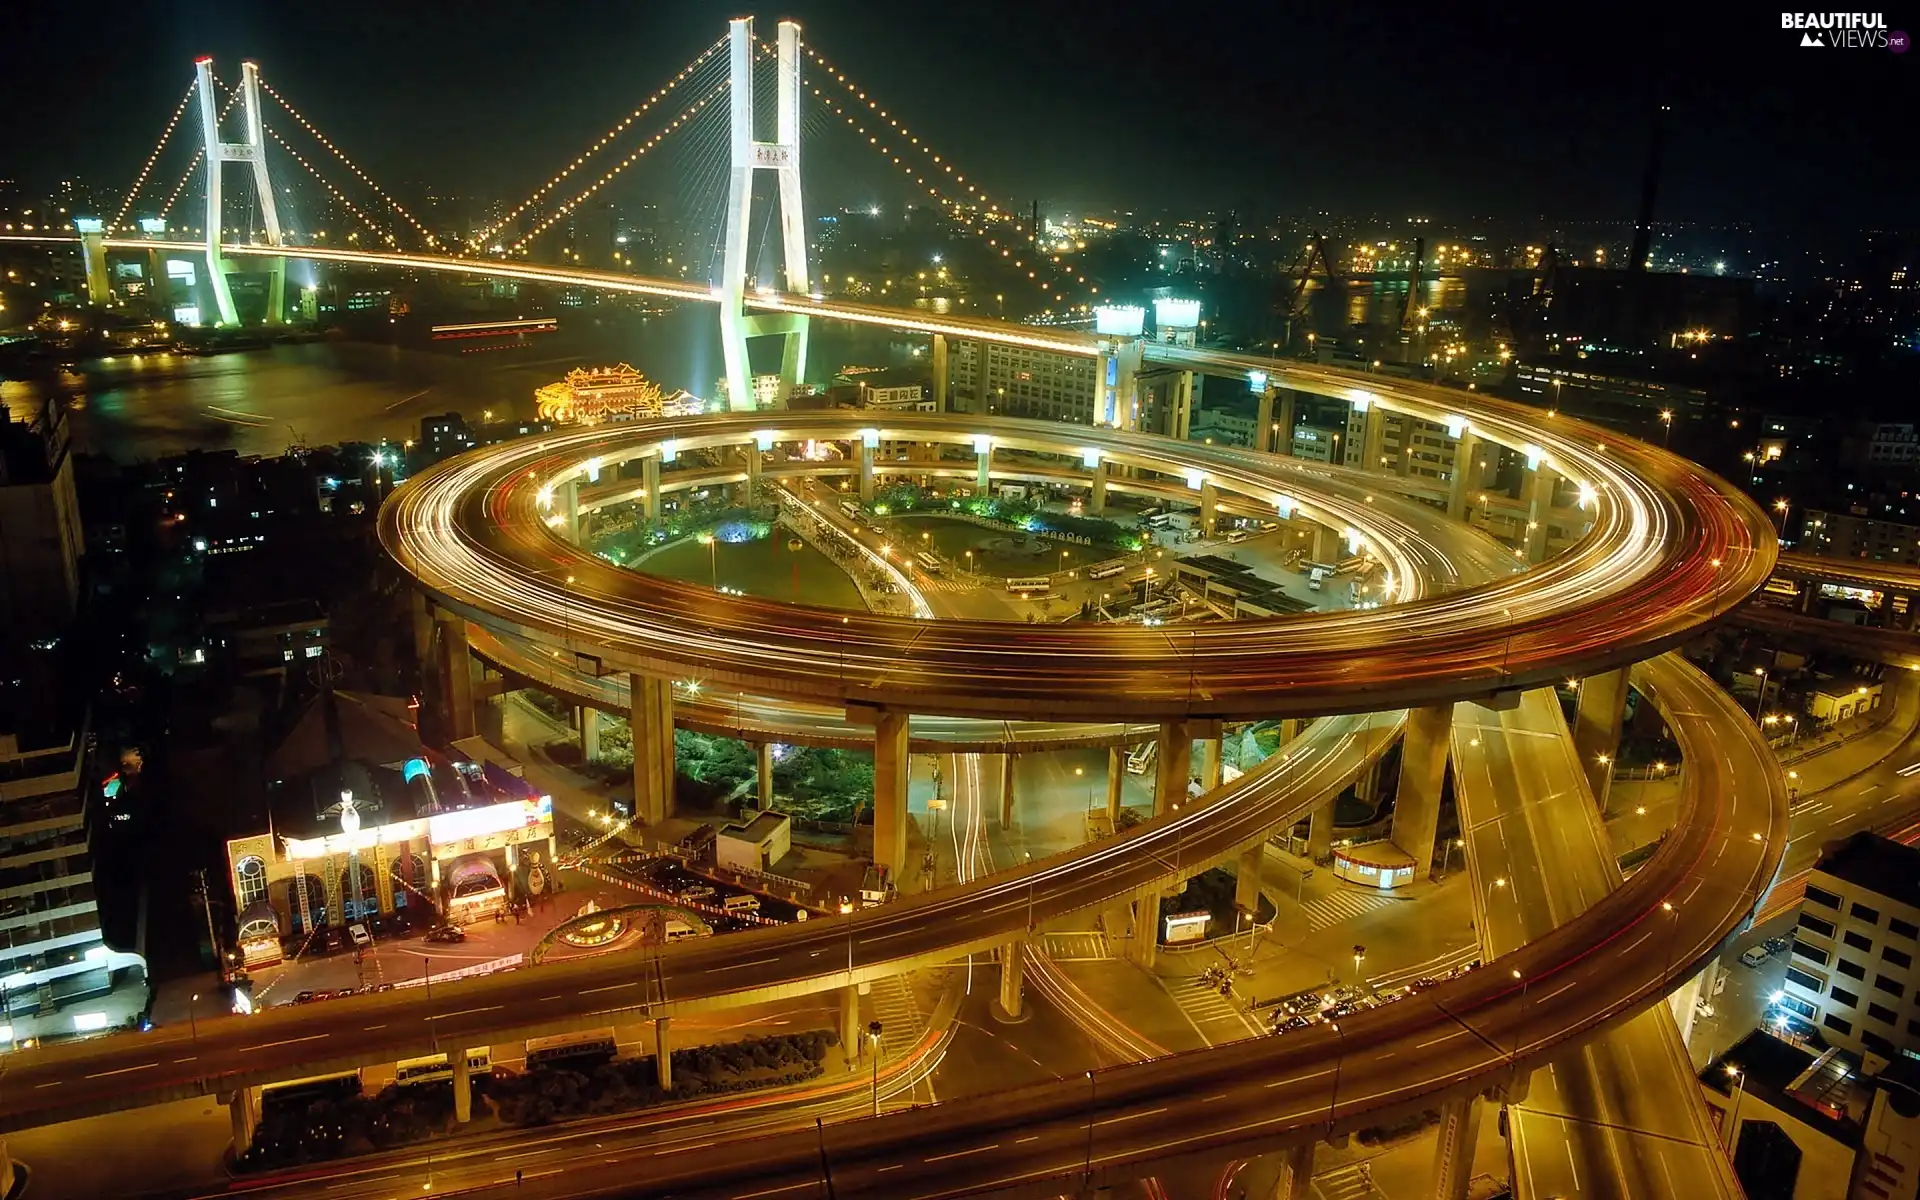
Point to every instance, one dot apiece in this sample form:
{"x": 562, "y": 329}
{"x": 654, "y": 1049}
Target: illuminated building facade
{"x": 465, "y": 864}
{"x": 618, "y": 393}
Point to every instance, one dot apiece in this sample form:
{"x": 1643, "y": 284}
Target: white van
{"x": 744, "y": 903}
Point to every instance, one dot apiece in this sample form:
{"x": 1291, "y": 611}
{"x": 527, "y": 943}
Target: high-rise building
{"x": 1855, "y": 535}
{"x": 1016, "y": 381}
{"x": 40, "y": 537}
{"x": 58, "y": 977}
{"x": 1852, "y": 973}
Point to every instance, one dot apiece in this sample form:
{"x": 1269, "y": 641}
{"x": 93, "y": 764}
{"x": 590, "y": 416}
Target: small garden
{"x": 902, "y": 498}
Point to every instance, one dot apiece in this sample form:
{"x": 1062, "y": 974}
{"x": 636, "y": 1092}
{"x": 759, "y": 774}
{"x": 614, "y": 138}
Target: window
{"x": 1823, "y": 898}
{"x": 1800, "y": 1006}
{"x": 1881, "y": 1013}
{"x": 1891, "y": 986}
{"x": 1859, "y": 941}
{"x": 1823, "y": 928}
{"x": 1811, "y": 953}
{"x": 1805, "y": 980}
{"x": 1836, "y": 1024}
{"x": 1899, "y": 958}
{"x": 1843, "y": 996}
{"x": 250, "y": 874}
{"x": 1852, "y": 970}
{"x": 1861, "y": 912}
{"x": 1902, "y": 929}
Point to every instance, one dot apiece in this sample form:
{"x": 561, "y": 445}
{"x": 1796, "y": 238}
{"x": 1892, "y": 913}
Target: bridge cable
{"x": 385, "y": 234}
{"x": 395, "y": 205}
{"x": 699, "y": 60}
{"x": 185, "y": 179}
{"x": 141, "y": 179}
{"x": 563, "y": 210}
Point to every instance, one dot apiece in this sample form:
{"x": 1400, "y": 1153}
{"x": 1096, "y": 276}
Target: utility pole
{"x": 206, "y": 906}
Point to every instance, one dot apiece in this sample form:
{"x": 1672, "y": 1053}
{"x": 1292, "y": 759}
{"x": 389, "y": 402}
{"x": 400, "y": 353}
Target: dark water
{"x": 137, "y": 406}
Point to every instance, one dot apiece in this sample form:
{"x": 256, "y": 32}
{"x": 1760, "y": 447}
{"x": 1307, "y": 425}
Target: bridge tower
{"x": 782, "y": 157}
{"x": 253, "y": 151}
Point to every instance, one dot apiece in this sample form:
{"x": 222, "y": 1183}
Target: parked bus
{"x": 928, "y": 562}
{"x": 435, "y": 1068}
{"x": 299, "y": 1093}
{"x": 570, "y": 1049}
{"x": 1107, "y": 570}
{"x": 851, "y": 508}
{"x": 1031, "y": 588}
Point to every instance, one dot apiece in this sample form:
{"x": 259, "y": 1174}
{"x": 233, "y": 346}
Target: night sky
{"x": 1447, "y": 109}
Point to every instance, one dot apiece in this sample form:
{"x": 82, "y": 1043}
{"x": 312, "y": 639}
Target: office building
{"x": 1016, "y": 381}
{"x": 1854, "y": 535}
{"x": 1852, "y": 974}
{"x": 58, "y": 976}
{"x": 40, "y": 536}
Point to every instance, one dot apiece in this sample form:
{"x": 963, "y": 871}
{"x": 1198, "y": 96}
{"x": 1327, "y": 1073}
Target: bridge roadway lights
{"x": 1009, "y": 1006}
{"x": 1423, "y": 771}
{"x": 651, "y": 721}
{"x": 1453, "y": 1156}
{"x": 1598, "y": 713}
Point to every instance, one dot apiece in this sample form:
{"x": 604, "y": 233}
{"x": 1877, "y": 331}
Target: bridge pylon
{"x": 253, "y": 151}
{"x": 782, "y": 157}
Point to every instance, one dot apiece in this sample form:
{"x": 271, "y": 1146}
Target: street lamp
{"x": 1760, "y": 692}
{"x": 1359, "y": 956}
{"x": 1739, "y": 1078}
{"x": 874, "y": 1030}
{"x": 193, "y": 1023}
{"x": 1666, "y": 422}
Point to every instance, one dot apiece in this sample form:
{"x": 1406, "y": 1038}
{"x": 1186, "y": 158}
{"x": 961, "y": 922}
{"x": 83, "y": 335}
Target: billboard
{"x": 1172, "y": 313}
{"x": 1119, "y": 320}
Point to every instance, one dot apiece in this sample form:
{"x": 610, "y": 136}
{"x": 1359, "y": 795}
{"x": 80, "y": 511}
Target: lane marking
{"x": 312, "y": 1037}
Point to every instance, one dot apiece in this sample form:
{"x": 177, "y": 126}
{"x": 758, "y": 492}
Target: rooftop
{"x": 1823, "y": 1091}
{"x": 1876, "y": 863}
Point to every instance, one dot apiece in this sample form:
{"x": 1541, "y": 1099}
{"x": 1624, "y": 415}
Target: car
{"x": 360, "y": 935}
{"x": 345, "y": 991}
{"x": 699, "y": 891}
{"x": 447, "y": 933}
{"x": 1754, "y": 956}
{"x": 303, "y": 997}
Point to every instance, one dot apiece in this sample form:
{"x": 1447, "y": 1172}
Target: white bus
{"x": 311, "y": 1090}
{"x": 1107, "y": 570}
{"x": 1031, "y": 588}
{"x": 566, "y": 1048}
{"x": 437, "y": 1067}
{"x": 928, "y": 562}
{"x": 850, "y": 508}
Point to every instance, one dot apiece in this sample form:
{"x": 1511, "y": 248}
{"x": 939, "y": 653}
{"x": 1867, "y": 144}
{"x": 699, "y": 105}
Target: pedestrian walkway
{"x": 1339, "y": 907}
{"x": 1353, "y": 1182}
{"x": 1079, "y": 946}
{"x": 894, "y": 1005}
{"x": 1215, "y": 1017}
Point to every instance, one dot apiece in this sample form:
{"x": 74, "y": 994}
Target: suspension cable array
{"x": 322, "y": 138}
{"x": 146, "y": 169}
{"x": 699, "y": 60}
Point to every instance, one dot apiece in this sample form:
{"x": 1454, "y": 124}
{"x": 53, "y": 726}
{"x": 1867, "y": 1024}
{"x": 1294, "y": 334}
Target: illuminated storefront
{"x": 1381, "y": 865}
{"x": 461, "y": 864}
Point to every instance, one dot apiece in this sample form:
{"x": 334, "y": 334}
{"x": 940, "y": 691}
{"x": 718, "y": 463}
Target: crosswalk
{"x": 1341, "y": 906}
{"x": 1077, "y": 946}
{"x": 1215, "y": 1017}
{"x": 898, "y": 1011}
{"x": 1353, "y": 1182}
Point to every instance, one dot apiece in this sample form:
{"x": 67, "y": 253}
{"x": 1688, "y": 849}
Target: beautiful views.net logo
{"x": 1845, "y": 31}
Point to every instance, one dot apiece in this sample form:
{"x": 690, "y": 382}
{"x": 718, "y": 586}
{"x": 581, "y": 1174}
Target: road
{"x": 1620, "y": 1117}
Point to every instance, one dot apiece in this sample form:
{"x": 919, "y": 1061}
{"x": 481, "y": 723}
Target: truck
{"x": 1315, "y": 577}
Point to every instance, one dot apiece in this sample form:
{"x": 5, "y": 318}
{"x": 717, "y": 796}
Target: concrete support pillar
{"x": 890, "y": 792}
{"x": 942, "y": 375}
{"x": 422, "y": 631}
{"x": 1466, "y": 475}
{"x": 570, "y": 509}
{"x": 651, "y": 716}
{"x": 1098, "y": 505}
{"x": 1320, "y": 834}
{"x": 1596, "y": 728}
{"x": 1146, "y": 928}
{"x": 1367, "y": 787}
{"x": 1116, "y": 776}
{"x": 1246, "y": 877}
{"x": 1266, "y": 430}
{"x": 763, "y": 774}
{"x": 650, "y": 482}
{"x": 1423, "y": 772}
{"x": 462, "y": 1085}
{"x": 663, "y": 1053}
{"x": 1006, "y": 791}
{"x": 1290, "y": 729}
{"x": 1013, "y": 955}
{"x": 982, "y": 468}
{"x": 1212, "y": 761}
{"x": 243, "y": 1108}
{"x": 1282, "y": 438}
{"x": 1326, "y": 544}
{"x": 1209, "y": 508}
{"x": 866, "y": 473}
{"x": 850, "y": 1025}
{"x": 1173, "y": 766}
{"x": 456, "y": 676}
{"x": 1540, "y": 484}
{"x": 93, "y": 256}
{"x": 1295, "y": 1181}
{"x": 1453, "y": 1156}
{"x": 589, "y": 734}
